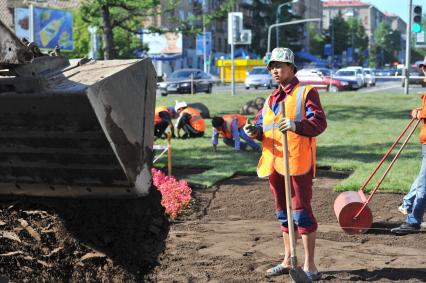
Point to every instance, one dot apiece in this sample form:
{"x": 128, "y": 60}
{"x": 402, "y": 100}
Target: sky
{"x": 397, "y": 7}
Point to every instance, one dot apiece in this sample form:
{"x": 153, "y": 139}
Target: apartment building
{"x": 370, "y": 17}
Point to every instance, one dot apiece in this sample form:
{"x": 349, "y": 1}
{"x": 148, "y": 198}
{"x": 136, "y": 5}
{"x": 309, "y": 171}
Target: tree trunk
{"x": 107, "y": 36}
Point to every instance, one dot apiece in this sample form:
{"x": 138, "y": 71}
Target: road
{"x": 392, "y": 86}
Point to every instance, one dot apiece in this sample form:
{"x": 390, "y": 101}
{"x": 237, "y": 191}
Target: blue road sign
{"x": 200, "y": 43}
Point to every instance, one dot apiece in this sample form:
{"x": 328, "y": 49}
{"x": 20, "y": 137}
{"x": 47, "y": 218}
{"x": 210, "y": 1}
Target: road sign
{"x": 421, "y": 40}
{"x": 235, "y": 26}
{"x": 200, "y": 43}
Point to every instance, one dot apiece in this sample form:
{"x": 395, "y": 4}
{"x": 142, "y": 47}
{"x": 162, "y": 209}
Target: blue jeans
{"x": 243, "y": 146}
{"x": 415, "y": 217}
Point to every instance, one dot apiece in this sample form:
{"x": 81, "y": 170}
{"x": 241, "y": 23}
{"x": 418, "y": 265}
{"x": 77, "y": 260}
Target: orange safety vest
{"x": 229, "y": 119}
{"x": 157, "y": 118}
{"x": 422, "y": 136}
{"x": 301, "y": 149}
{"x": 196, "y": 121}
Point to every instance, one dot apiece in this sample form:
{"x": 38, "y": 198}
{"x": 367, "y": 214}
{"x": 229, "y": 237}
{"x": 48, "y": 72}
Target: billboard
{"x": 52, "y": 27}
{"x": 168, "y": 43}
{"x": 22, "y": 23}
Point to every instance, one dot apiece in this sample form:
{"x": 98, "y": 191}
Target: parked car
{"x": 259, "y": 77}
{"x": 416, "y": 78}
{"x": 370, "y": 77}
{"x": 349, "y": 76}
{"x": 317, "y": 79}
{"x": 180, "y": 81}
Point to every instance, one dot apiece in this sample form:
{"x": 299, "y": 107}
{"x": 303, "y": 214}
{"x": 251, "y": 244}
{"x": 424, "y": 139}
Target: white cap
{"x": 180, "y": 104}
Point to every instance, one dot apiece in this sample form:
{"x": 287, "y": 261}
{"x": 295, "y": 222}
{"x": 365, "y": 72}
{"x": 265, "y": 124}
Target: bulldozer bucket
{"x": 86, "y": 131}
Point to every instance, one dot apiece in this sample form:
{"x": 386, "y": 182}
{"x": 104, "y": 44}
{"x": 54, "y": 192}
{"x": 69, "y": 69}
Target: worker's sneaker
{"x": 403, "y": 210}
{"x": 405, "y": 229}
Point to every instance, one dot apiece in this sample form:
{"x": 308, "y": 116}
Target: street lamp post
{"x": 286, "y": 24}
{"x": 277, "y": 19}
{"x": 204, "y": 8}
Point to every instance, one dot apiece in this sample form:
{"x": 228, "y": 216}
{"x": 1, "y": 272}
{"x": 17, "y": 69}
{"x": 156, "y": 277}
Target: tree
{"x": 263, "y": 15}
{"x": 358, "y": 40}
{"x": 120, "y": 18}
{"x": 386, "y": 44}
{"x": 316, "y": 40}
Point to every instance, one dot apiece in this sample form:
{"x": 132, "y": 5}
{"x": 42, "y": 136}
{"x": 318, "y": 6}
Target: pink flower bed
{"x": 176, "y": 194}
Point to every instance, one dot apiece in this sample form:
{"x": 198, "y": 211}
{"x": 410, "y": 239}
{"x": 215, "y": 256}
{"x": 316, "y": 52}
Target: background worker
{"x": 189, "y": 120}
{"x": 304, "y": 120}
{"x": 414, "y": 203}
{"x": 163, "y": 116}
{"x": 231, "y": 128}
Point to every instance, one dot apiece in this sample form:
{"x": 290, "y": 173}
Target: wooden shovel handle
{"x": 287, "y": 182}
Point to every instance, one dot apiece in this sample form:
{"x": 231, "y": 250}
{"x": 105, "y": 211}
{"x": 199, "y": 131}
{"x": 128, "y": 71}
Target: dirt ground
{"x": 232, "y": 236}
{"x": 229, "y": 234}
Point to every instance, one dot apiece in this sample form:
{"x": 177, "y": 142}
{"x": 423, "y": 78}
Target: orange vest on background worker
{"x": 301, "y": 149}
{"x": 196, "y": 121}
{"x": 423, "y": 116}
{"x": 229, "y": 119}
{"x": 157, "y": 118}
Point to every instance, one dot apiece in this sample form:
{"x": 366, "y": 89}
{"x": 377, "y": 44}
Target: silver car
{"x": 370, "y": 77}
{"x": 259, "y": 77}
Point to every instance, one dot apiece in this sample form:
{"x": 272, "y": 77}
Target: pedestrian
{"x": 231, "y": 128}
{"x": 189, "y": 120}
{"x": 163, "y": 116}
{"x": 414, "y": 203}
{"x": 305, "y": 119}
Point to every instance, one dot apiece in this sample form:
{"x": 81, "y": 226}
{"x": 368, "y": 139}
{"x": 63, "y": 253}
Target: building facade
{"x": 370, "y": 17}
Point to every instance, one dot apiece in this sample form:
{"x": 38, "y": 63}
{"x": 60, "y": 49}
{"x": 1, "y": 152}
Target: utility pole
{"x": 204, "y": 36}
{"x": 407, "y": 48}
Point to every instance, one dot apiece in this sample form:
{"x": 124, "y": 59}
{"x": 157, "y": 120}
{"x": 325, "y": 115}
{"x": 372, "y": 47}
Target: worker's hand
{"x": 215, "y": 147}
{"x": 286, "y": 124}
{"x": 251, "y": 130}
{"x": 415, "y": 113}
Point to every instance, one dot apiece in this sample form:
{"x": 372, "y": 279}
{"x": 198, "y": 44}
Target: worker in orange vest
{"x": 231, "y": 128}
{"x": 163, "y": 116}
{"x": 414, "y": 203}
{"x": 304, "y": 120}
{"x": 189, "y": 120}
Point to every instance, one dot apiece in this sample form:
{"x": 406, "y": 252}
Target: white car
{"x": 259, "y": 77}
{"x": 349, "y": 75}
{"x": 359, "y": 72}
{"x": 370, "y": 77}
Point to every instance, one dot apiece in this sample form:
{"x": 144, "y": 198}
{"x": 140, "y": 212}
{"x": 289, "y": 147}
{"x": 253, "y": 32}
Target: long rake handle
{"x": 287, "y": 182}
{"x": 387, "y": 154}
{"x": 388, "y": 169}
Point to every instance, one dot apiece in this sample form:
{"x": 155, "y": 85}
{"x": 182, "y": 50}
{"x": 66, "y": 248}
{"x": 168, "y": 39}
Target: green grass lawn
{"x": 361, "y": 128}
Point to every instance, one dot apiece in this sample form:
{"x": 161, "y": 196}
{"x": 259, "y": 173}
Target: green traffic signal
{"x": 416, "y": 27}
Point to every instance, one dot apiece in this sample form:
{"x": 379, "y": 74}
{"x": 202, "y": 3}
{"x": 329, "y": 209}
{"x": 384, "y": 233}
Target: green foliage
{"x": 361, "y": 128}
{"x": 358, "y": 40}
{"x": 263, "y": 15}
{"x": 81, "y": 36}
{"x": 386, "y": 44}
{"x": 316, "y": 40}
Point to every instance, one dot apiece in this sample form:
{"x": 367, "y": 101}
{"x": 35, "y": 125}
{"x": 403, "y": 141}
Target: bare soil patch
{"x": 230, "y": 235}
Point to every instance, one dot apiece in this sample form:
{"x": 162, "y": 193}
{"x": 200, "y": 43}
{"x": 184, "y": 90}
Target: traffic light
{"x": 417, "y": 19}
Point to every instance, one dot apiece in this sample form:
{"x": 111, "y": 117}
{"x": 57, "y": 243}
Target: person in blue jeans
{"x": 417, "y": 192}
{"x": 408, "y": 200}
{"x": 230, "y": 127}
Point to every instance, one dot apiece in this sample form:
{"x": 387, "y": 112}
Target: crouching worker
{"x": 189, "y": 120}
{"x": 162, "y": 120}
{"x": 231, "y": 128}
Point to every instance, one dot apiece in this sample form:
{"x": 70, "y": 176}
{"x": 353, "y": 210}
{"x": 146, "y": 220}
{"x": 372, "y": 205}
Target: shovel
{"x": 296, "y": 273}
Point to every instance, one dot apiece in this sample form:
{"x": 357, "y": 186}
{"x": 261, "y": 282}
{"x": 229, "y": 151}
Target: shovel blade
{"x": 297, "y": 275}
